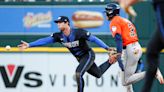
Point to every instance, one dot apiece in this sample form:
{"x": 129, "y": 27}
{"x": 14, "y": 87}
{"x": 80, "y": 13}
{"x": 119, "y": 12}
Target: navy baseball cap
{"x": 62, "y": 19}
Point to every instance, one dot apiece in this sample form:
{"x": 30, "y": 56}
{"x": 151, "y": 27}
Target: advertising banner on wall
{"x": 39, "y": 19}
{"x": 52, "y": 72}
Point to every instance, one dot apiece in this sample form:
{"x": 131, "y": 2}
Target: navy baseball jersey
{"x": 76, "y": 42}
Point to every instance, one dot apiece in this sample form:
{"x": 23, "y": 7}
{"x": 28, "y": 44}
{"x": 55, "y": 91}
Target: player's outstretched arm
{"x": 39, "y": 42}
{"x": 119, "y": 47}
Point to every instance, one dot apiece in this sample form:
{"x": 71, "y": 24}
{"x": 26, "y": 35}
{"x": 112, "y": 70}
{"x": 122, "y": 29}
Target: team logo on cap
{"x": 114, "y": 28}
{"x": 59, "y": 18}
{"x": 88, "y": 33}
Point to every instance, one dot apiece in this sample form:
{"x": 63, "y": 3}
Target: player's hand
{"x": 24, "y": 45}
{"x": 112, "y": 49}
{"x": 113, "y": 57}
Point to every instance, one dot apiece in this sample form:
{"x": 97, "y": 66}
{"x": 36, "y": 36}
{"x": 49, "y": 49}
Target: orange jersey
{"x": 125, "y": 28}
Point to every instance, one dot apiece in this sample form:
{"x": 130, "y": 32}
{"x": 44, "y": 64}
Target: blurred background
{"x": 44, "y": 69}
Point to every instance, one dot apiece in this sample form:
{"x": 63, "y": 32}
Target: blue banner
{"x": 39, "y": 19}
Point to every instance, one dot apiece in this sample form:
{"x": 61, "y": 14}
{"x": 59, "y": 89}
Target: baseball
{"x": 8, "y": 47}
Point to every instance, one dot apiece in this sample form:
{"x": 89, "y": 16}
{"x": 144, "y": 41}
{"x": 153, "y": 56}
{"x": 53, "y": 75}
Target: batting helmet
{"x": 112, "y": 9}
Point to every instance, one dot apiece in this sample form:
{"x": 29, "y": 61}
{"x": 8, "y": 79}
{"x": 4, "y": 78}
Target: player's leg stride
{"x": 159, "y": 77}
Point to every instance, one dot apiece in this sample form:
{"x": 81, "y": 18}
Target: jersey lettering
{"x": 71, "y": 44}
{"x": 131, "y": 28}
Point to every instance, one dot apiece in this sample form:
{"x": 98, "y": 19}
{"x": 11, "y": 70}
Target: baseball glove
{"x": 113, "y": 55}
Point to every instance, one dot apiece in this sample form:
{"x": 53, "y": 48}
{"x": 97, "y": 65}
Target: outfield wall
{"x": 52, "y": 72}
{"x": 53, "y": 69}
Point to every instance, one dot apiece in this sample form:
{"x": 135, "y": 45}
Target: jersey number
{"x": 132, "y": 33}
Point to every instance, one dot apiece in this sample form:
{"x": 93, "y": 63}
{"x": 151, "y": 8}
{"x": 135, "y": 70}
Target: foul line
{"x": 53, "y": 49}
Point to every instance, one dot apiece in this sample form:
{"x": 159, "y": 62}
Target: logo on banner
{"x": 11, "y": 74}
{"x": 40, "y": 20}
{"x": 10, "y": 77}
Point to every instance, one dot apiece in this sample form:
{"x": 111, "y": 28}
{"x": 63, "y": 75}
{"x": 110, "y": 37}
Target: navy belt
{"x": 124, "y": 47}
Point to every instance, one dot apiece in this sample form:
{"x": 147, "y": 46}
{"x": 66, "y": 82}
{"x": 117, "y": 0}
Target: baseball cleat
{"x": 159, "y": 76}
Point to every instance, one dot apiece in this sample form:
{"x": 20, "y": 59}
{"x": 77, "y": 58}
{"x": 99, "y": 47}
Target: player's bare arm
{"x": 24, "y": 45}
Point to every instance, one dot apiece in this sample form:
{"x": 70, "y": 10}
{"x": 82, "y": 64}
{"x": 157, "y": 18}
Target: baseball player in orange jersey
{"x": 125, "y": 35}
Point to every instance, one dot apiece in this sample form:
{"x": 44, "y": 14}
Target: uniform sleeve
{"x": 118, "y": 40}
{"x": 99, "y": 42}
{"x": 42, "y": 41}
{"x": 56, "y": 37}
{"x": 115, "y": 28}
{"x": 84, "y": 34}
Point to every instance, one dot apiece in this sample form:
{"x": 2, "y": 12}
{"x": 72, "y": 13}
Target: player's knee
{"x": 98, "y": 76}
{"x": 78, "y": 75}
